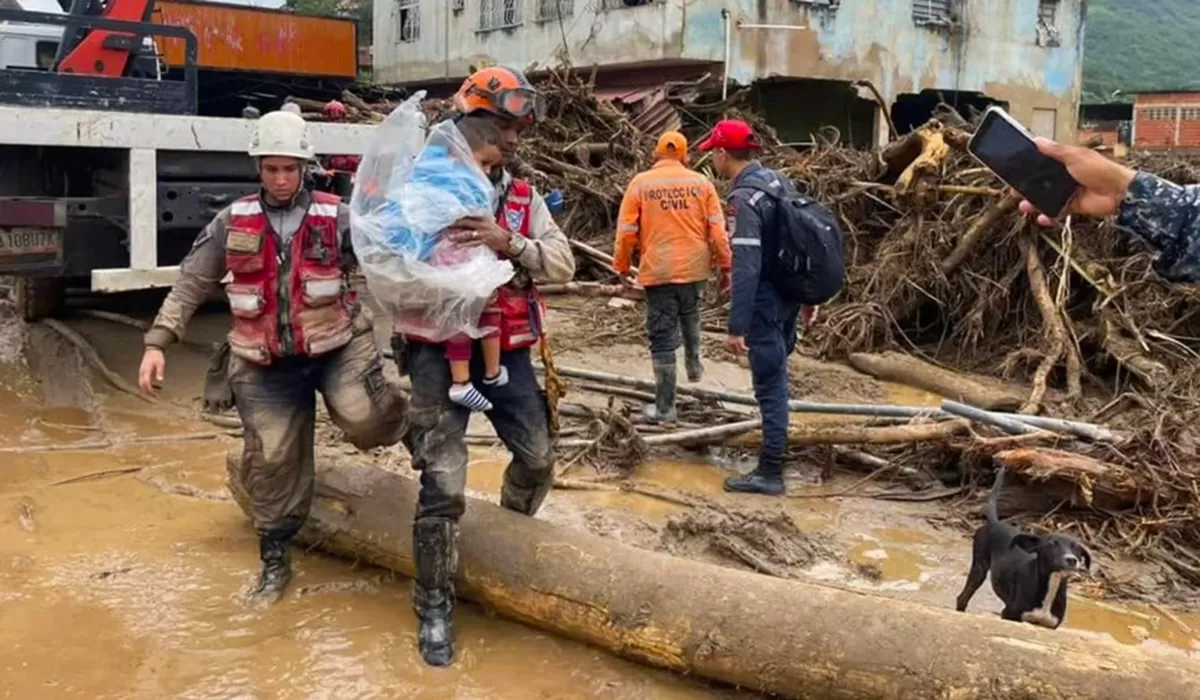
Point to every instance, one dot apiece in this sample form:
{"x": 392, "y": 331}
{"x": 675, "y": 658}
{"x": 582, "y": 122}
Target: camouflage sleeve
{"x": 199, "y": 275}
{"x": 1166, "y": 216}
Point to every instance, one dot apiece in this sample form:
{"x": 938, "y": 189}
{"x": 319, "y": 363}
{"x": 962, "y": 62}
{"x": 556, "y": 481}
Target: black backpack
{"x": 810, "y": 263}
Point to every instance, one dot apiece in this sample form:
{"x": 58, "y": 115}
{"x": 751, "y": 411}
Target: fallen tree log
{"x": 902, "y": 369}
{"x": 794, "y": 639}
{"x": 594, "y": 289}
{"x": 861, "y": 435}
{"x": 1091, "y": 476}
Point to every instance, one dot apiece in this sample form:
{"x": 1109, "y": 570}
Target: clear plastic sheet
{"x": 412, "y": 184}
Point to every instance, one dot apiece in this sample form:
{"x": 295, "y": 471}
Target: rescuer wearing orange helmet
{"x": 523, "y": 232}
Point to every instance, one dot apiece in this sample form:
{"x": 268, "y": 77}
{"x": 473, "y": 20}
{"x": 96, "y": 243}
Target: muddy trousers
{"x": 770, "y": 341}
{"x": 277, "y": 404}
{"x": 671, "y": 308}
{"x": 436, "y": 440}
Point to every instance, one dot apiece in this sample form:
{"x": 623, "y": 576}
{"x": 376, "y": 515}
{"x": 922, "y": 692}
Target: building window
{"x": 1189, "y": 114}
{"x": 932, "y": 13}
{"x": 458, "y": 5}
{"x": 1158, "y": 114}
{"x": 1047, "y": 21}
{"x": 497, "y": 14}
{"x": 618, "y": 4}
{"x": 1048, "y": 12}
{"x": 554, "y": 9}
{"x": 409, "y": 17}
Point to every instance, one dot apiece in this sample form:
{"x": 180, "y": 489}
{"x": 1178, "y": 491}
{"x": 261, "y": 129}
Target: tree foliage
{"x": 360, "y": 10}
{"x": 1132, "y": 45}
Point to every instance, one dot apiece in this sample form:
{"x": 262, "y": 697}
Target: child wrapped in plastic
{"x": 437, "y": 290}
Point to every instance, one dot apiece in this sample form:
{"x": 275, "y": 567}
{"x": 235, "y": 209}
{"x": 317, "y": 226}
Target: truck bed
{"x": 132, "y": 144}
{"x": 35, "y": 126}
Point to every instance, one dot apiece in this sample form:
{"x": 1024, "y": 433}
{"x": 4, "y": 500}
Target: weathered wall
{"x": 998, "y": 47}
{"x": 450, "y": 41}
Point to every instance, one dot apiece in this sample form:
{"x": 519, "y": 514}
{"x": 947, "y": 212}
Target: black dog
{"x": 1028, "y": 571}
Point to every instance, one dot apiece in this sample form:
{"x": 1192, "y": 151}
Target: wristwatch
{"x": 516, "y": 245}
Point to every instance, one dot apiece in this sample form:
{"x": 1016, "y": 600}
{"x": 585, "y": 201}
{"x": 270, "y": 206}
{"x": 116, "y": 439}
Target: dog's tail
{"x": 993, "y": 515}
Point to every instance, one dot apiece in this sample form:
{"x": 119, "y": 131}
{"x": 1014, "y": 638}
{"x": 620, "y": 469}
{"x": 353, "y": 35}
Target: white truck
{"x": 105, "y": 181}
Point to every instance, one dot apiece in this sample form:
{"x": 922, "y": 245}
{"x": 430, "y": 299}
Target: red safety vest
{"x": 297, "y": 302}
{"x": 517, "y": 306}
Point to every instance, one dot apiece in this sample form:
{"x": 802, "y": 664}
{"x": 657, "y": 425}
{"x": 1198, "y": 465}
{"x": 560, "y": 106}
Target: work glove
{"x": 218, "y": 394}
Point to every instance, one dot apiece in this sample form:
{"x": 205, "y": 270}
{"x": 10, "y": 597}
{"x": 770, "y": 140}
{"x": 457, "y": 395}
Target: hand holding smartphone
{"x": 1006, "y": 148}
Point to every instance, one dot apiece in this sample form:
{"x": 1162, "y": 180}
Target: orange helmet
{"x": 502, "y": 91}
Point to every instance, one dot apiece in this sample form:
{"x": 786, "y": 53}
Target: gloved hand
{"x": 218, "y": 394}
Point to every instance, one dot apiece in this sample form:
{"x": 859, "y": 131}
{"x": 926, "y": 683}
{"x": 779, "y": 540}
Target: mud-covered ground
{"x": 123, "y": 563}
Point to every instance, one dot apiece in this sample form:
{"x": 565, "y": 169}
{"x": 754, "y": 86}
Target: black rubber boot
{"x": 663, "y": 409}
{"x": 276, "y": 568}
{"x": 691, "y": 349}
{"x": 522, "y": 500}
{"x": 436, "y": 558}
{"x": 763, "y": 480}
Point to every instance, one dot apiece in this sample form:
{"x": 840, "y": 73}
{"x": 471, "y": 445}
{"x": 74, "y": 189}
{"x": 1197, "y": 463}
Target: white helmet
{"x": 281, "y": 133}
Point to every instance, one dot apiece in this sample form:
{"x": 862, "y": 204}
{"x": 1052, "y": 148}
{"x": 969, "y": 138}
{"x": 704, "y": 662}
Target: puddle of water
{"x": 1135, "y": 624}
{"x": 893, "y": 567}
{"x": 112, "y": 589}
{"x": 122, "y": 592}
{"x": 901, "y": 535}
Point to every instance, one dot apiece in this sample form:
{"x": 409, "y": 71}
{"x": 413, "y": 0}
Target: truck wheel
{"x": 38, "y": 297}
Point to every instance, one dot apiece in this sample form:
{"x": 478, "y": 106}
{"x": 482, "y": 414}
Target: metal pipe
{"x": 790, "y": 27}
{"x": 728, "y": 49}
{"x": 1008, "y": 425}
{"x": 1012, "y": 423}
{"x": 1088, "y": 431}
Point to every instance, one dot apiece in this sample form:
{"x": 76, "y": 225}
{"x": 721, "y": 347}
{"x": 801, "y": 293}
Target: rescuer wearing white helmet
{"x": 297, "y": 330}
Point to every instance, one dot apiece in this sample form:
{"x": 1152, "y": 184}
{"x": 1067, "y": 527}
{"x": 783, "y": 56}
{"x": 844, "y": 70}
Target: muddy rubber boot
{"x": 436, "y": 557}
{"x": 276, "y": 569}
{"x": 691, "y": 351}
{"x": 522, "y": 500}
{"x": 663, "y": 409}
{"x": 763, "y": 480}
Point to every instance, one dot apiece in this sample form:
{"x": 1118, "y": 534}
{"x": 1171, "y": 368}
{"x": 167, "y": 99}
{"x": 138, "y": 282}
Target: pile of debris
{"x": 943, "y": 268}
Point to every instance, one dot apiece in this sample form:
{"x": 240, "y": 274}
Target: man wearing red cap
{"x": 760, "y": 321}
{"x": 672, "y": 216}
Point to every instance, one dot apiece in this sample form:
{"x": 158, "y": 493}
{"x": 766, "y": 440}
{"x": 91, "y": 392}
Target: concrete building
{"x": 803, "y": 54}
{"x": 1166, "y": 120}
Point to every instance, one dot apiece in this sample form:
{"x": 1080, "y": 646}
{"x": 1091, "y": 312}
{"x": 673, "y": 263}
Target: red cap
{"x": 731, "y": 134}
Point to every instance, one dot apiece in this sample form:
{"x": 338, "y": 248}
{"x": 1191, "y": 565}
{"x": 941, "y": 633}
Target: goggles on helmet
{"x": 518, "y": 103}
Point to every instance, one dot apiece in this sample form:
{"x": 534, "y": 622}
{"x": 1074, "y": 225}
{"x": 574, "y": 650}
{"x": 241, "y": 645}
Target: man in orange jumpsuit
{"x": 673, "y": 217}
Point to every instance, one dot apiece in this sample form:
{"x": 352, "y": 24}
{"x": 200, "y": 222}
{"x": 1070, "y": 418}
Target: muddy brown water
{"x": 111, "y": 588}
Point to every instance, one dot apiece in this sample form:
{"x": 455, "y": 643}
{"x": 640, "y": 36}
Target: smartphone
{"x": 1008, "y": 150}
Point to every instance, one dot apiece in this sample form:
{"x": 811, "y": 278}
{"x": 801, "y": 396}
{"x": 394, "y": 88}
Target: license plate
{"x": 30, "y": 246}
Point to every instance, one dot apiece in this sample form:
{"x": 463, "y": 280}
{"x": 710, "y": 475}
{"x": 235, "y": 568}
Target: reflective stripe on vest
{"x": 313, "y": 312}
{"x": 518, "y": 307}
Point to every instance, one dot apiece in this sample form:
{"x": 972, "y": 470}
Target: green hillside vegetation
{"x": 1133, "y": 45}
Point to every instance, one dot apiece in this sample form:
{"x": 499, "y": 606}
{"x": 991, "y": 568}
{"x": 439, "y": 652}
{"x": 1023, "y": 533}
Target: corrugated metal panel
{"x": 261, "y": 41}
{"x": 931, "y": 11}
{"x": 648, "y": 108}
